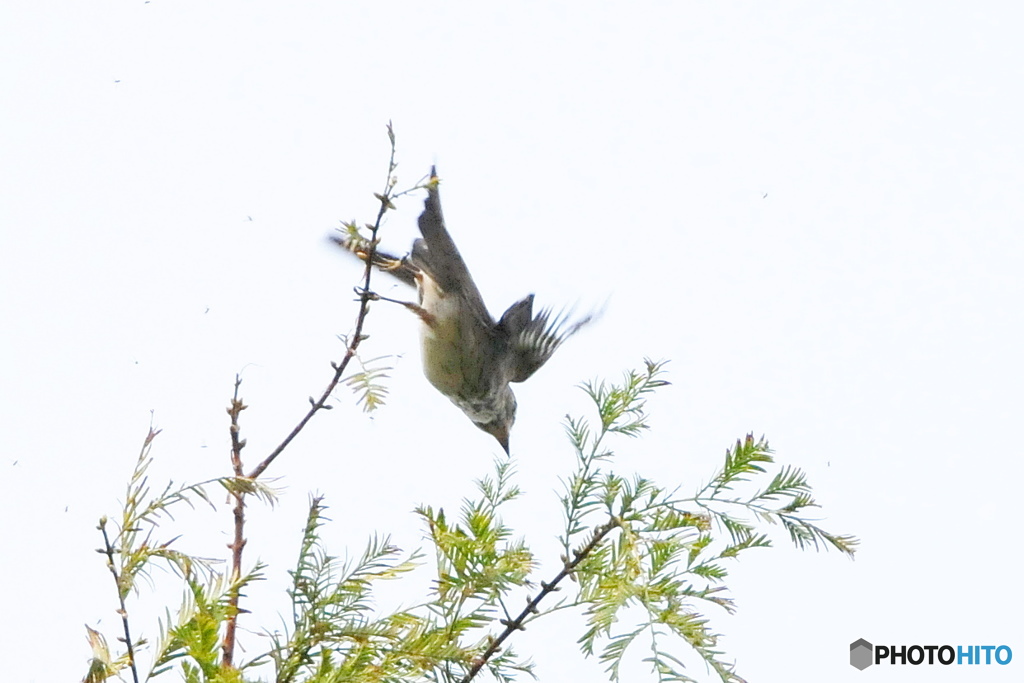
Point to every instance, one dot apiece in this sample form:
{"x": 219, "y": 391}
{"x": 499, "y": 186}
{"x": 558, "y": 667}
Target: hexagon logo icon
{"x": 861, "y": 654}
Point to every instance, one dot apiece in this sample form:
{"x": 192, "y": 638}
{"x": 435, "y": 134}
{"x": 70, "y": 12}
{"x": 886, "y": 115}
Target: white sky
{"x": 865, "y": 315}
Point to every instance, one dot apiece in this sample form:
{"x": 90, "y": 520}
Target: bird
{"x": 468, "y": 356}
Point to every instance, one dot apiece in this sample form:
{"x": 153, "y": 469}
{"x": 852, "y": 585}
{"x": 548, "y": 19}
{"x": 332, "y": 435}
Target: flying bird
{"x": 468, "y": 356}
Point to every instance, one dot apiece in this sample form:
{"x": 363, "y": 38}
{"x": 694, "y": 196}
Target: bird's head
{"x": 504, "y": 416}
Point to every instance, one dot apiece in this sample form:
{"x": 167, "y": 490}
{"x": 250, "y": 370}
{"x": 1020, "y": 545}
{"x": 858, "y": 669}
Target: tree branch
{"x": 365, "y": 297}
{"x": 123, "y": 611}
{"x": 518, "y": 624}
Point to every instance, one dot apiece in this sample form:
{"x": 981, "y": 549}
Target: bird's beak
{"x": 499, "y": 432}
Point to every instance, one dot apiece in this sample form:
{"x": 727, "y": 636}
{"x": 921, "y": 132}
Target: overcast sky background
{"x": 813, "y": 209}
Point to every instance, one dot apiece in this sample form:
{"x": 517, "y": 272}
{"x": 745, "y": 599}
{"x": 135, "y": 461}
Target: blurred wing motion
{"x": 533, "y": 340}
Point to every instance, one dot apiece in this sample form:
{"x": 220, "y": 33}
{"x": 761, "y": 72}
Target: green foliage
{"x": 103, "y": 664}
{"x": 335, "y": 635}
{"x": 368, "y": 385}
{"x": 647, "y": 566}
{"x": 668, "y": 558}
{"x": 478, "y": 563}
{"x": 133, "y": 550}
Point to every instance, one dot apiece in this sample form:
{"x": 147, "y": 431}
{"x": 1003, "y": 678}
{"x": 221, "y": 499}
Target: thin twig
{"x": 238, "y": 543}
{"x": 123, "y": 611}
{"x": 518, "y": 624}
{"x": 365, "y": 296}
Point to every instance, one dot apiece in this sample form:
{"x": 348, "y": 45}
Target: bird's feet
{"x": 425, "y": 316}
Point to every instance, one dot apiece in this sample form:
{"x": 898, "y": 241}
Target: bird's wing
{"x": 534, "y": 342}
{"x": 439, "y": 258}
